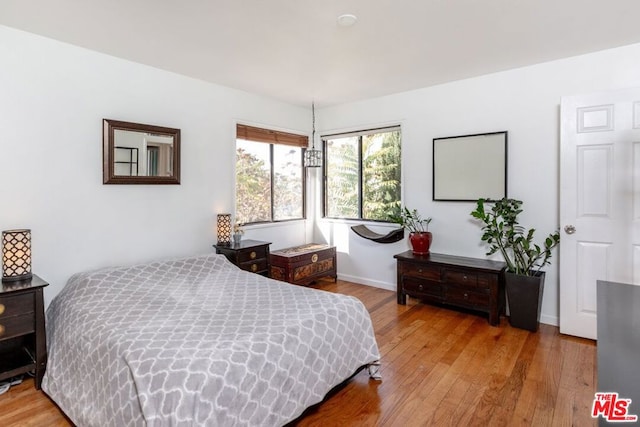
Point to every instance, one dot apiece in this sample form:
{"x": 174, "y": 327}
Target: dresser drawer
{"x": 462, "y": 278}
{"x": 418, "y": 287}
{"x": 16, "y": 304}
{"x": 254, "y": 266}
{"x": 252, "y": 254}
{"x": 466, "y": 297}
{"x": 467, "y": 279}
{"x": 422, "y": 271}
{"x": 17, "y": 325}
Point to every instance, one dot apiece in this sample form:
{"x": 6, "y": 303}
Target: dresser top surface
{"x": 22, "y": 285}
{"x": 452, "y": 260}
{"x": 244, "y": 244}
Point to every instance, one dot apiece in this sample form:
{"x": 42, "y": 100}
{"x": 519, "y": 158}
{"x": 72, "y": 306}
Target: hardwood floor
{"x": 439, "y": 367}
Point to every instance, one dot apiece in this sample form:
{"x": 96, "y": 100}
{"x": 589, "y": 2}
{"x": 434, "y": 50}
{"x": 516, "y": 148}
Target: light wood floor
{"x": 439, "y": 367}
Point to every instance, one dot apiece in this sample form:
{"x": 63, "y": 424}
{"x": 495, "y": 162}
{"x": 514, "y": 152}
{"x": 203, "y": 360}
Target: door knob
{"x": 569, "y": 229}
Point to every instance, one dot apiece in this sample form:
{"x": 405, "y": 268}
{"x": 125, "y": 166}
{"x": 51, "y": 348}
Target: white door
{"x": 599, "y": 201}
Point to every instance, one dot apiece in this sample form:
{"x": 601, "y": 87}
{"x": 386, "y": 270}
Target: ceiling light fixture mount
{"x": 347, "y": 20}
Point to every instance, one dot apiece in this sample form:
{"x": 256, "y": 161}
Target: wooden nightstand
{"x": 23, "y": 345}
{"x": 249, "y": 255}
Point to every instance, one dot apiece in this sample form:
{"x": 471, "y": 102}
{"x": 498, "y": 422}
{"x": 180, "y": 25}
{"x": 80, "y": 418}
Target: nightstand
{"x": 23, "y": 345}
{"x": 249, "y": 255}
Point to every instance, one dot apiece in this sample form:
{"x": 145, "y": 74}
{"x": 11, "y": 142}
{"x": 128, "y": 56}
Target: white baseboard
{"x": 549, "y": 320}
{"x": 362, "y": 281}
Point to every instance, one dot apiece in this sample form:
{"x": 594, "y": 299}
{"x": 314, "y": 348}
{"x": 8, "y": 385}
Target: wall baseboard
{"x": 549, "y": 320}
{"x": 362, "y": 281}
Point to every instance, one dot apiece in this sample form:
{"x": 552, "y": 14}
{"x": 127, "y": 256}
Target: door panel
{"x": 599, "y": 186}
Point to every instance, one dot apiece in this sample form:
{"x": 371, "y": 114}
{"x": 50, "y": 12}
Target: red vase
{"x": 420, "y": 242}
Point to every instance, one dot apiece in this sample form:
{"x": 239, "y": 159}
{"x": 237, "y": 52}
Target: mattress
{"x": 197, "y": 341}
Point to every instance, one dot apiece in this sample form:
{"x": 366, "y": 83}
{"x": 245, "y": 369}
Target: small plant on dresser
{"x": 418, "y": 226}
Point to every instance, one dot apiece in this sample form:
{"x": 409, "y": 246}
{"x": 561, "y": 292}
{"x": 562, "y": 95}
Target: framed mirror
{"x": 135, "y": 153}
{"x": 470, "y": 167}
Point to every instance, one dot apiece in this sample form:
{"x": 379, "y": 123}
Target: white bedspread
{"x": 199, "y": 342}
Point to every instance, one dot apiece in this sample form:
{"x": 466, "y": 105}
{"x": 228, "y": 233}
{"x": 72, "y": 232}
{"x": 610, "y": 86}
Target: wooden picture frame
{"x": 122, "y": 163}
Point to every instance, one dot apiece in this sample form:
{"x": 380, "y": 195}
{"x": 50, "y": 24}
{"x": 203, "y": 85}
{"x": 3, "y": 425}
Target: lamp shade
{"x": 312, "y": 158}
{"x": 16, "y": 255}
{"x": 224, "y": 229}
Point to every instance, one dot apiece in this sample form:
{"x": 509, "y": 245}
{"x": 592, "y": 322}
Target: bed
{"x": 197, "y": 341}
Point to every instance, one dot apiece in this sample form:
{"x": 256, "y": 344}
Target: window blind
{"x": 269, "y": 136}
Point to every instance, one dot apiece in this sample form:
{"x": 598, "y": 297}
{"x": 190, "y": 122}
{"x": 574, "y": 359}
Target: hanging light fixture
{"x": 313, "y": 157}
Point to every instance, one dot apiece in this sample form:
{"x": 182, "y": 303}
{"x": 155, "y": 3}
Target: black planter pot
{"x": 524, "y": 294}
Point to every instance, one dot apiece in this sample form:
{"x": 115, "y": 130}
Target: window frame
{"x": 272, "y": 137}
{"x": 359, "y": 134}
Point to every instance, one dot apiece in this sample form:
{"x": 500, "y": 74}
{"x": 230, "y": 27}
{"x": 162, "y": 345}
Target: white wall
{"x": 525, "y": 102}
{"x": 53, "y": 97}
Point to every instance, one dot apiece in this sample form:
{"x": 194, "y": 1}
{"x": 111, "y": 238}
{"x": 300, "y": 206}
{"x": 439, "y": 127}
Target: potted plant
{"x": 238, "y": 231}
{"x": 524, "y": 279}
{"x": 419, "y": 235}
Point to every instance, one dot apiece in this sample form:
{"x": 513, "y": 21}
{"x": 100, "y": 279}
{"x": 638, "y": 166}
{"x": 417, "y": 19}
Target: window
{"x": 362, "y": 174}
{"x": 269, "y": 175}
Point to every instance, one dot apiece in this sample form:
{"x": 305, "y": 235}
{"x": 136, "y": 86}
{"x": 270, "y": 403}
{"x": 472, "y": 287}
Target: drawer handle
{"x": 464, "y": 277}
{"x": 1, "y": 308}
{"x": 1, "y": 330}
{"x": 466, "y": 295}
{"x": 254, "y": 267}
{"x": 420, "y": 287}
{"x": 314, "y": 258}
{"x": 252, "y": 255}
{"x": 419, "y": 270}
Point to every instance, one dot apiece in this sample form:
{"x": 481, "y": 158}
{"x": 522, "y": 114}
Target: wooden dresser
{"x": 303, "y": 264}
{"x": 249, "y": 255}
{"x": 471, "y": 283}
{"x": 618, "y": 332}
{"x": 23, "y": 345}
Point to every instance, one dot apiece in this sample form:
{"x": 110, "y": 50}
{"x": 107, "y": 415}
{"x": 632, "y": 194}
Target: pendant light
{"x": 313, "y": 157}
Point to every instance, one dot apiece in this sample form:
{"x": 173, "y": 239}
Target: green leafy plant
{"x": 411, "y": 220}
{"x": 503, "y": 234}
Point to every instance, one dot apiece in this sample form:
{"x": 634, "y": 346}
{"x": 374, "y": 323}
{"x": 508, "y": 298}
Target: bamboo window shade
{"x": 269, "y": 136}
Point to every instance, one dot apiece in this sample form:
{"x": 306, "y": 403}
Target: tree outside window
{"x": 362, "y": 172}
{"x": 269, "y": 181}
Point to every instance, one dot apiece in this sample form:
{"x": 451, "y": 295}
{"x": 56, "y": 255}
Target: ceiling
{"x": 293, "y": 50}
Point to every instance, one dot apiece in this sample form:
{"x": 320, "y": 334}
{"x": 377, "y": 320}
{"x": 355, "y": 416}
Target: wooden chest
{"x": 303, "y": 264}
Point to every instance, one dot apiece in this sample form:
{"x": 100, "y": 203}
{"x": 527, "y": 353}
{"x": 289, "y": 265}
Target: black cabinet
{"x": 471, "y": 283}
{"x": 249, "y": 255}
{"x": 23, "y": 345}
